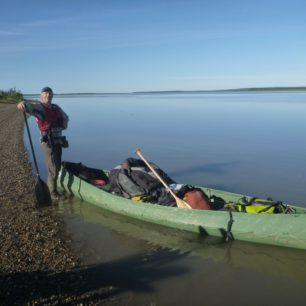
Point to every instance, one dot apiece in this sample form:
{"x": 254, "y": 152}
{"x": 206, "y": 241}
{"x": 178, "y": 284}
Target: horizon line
{"x": 183, "y": 91}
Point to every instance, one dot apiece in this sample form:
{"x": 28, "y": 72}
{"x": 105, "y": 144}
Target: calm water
{"x": 250, "y": 143}
{"x": 245, "y": 143}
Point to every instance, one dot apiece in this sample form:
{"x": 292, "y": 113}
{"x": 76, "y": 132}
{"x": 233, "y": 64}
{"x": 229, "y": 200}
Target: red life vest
{"x": 53, "y": 118}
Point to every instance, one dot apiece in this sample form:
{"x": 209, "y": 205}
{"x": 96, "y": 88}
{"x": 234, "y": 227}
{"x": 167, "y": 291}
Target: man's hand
{"x": 21, "y": 106}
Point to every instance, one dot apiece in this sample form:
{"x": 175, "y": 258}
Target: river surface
{"x": 249, "y": 143}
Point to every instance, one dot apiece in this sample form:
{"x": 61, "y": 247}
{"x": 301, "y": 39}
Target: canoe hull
{"x": 287, "y": 230}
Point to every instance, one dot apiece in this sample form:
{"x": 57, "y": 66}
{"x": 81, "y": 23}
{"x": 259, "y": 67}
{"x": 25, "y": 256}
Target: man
{"x": 51, "y": 120}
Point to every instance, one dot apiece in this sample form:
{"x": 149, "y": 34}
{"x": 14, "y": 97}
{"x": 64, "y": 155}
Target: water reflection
{"x": 213, "y": 168}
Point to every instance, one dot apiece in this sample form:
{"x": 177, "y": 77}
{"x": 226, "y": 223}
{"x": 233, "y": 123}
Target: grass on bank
{"x": 10, "y": 96}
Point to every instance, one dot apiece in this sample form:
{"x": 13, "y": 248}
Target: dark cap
{"x": 47, "y": 89}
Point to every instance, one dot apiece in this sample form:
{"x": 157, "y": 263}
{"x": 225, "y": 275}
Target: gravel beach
{"x": 38, "y": 264}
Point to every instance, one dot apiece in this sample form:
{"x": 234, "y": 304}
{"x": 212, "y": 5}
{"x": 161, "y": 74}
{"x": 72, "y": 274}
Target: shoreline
{"x": 38, "y": 263}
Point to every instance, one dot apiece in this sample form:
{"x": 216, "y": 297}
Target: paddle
{"x": 42, "y": 192}
{"x": 179, "y": 202}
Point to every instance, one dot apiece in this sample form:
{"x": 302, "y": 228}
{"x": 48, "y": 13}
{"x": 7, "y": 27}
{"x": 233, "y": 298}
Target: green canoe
{"x": 287, "y": 230}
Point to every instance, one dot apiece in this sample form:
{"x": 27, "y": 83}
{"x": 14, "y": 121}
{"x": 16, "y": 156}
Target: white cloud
{"x": 8, "y": 33}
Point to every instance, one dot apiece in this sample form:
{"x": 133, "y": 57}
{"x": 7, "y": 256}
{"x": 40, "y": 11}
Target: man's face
{"x": 46, "y": 97}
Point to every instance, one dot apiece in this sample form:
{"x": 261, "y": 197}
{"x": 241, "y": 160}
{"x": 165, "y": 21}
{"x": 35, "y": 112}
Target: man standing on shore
{"x": 51, "y": 120}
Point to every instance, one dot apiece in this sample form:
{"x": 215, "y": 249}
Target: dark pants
{"x": 53, "y": 158}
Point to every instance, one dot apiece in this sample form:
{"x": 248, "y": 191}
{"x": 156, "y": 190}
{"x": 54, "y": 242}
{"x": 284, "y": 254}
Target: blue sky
{"x": 126, "y": 46}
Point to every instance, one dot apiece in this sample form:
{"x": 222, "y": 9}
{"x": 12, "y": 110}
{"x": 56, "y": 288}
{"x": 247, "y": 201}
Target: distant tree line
{"x": 11, "y": 95}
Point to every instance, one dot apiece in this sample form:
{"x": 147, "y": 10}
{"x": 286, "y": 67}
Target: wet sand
{"x": 38, "y": 262}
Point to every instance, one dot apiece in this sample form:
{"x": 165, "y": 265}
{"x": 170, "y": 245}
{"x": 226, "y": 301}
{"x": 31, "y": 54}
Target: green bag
{"x": 257, "y": 206}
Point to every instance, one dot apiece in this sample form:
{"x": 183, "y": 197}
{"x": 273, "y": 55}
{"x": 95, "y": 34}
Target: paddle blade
{"x": 181, "y": 203}
{"x": 42, "y": 193}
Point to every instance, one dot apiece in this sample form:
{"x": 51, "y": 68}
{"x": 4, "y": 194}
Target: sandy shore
{"x": 37, "y": 262}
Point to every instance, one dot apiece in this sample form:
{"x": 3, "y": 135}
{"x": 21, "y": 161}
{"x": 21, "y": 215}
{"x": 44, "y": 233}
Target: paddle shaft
{"x": 30, "y": 139}
{"x": 179, "y": 201}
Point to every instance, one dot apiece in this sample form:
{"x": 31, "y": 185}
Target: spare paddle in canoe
{"x": 179, "y": 202}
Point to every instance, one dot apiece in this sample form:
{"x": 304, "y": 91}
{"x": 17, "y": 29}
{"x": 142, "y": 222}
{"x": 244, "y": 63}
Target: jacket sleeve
{"x": 35, "y": 109}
